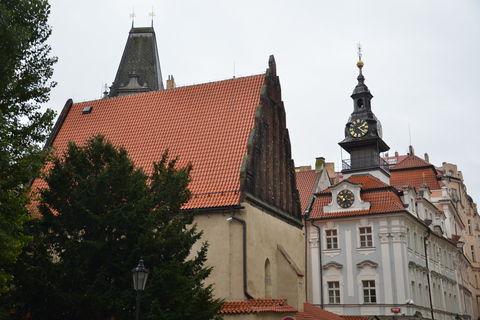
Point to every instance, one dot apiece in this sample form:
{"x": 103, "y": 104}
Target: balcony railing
{"x": 366, "y": 162}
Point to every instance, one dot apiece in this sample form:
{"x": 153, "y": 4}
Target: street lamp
{"x": 140, "y": 275}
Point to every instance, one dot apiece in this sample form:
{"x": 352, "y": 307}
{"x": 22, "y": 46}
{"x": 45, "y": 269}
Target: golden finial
{"x": 360, "y": 62}
{"x": 132, "y": 15}
{"x": 151, "y": 14}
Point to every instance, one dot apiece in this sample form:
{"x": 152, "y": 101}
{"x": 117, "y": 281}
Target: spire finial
{"x": 360, "y": 62}
{"x": 132, "y": 15}
{"x": 151, "y": 14}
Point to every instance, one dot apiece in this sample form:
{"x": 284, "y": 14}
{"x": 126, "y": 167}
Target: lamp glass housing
{"x": 140, "y": 276}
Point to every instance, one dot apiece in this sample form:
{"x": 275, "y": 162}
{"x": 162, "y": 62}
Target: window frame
{"x": 369, "y": 292}
{"x": 334, "y": 296}
{"x": 331, "y": 240}
{"x": 365, "y": 238}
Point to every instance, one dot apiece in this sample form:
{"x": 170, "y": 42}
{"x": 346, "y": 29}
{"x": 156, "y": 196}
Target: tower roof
{"x": 139, "y": 68}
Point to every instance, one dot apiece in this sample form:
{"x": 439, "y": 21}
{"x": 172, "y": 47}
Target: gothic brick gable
{"x": 268, "y": 172}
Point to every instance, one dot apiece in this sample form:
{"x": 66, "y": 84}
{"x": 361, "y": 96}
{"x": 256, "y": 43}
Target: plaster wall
{"x": 264, "y": 233}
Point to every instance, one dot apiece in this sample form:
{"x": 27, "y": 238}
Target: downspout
{"x": 428, "y": 271}
{"x": 306, "y": 256}
{"x": 320, "y": 268}
{"x": 244, "y": 255}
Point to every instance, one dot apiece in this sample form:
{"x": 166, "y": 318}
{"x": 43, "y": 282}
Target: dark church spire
{"x": 139, "y": 68}
{"x": 363, "y": 133}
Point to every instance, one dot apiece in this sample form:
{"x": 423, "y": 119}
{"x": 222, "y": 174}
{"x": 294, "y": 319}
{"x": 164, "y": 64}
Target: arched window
{"x": 268, "y": 279}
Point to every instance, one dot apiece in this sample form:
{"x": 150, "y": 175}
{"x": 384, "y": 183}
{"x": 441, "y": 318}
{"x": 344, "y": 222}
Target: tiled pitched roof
{"x": 356, "y": 317}
{"x": 256, "y": 306}
{"x": 415, "y": 178}
{"x": 305, "y": 184}
{"x": 381, "y": 202}
{"x": 380, "y": 195}
{"x": 207, "y": 125}
{"x": 314, "y": 313}
{"x": 368, "y": 182}
{"x": 412, "y": 161}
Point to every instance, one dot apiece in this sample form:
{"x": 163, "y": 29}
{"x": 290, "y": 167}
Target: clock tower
{"x": 363, "y": 135}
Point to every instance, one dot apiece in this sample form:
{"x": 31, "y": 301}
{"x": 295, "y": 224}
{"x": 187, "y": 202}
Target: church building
{"x": 243, "y": 180}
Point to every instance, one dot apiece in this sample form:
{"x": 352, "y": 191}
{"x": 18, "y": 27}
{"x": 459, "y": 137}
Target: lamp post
{"x": 140, "y": 275}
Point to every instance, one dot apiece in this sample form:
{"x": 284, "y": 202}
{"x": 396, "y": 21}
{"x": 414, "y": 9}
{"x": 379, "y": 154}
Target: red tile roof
{"x": 314, "y": 313}
{"x": 305, "y": 184}
{"x": 415, "y": 178}
{"x": 256, "y": 306}
{"x": 356, "y": 317}
{"x": 207, "y": 125}
{"x": 412, "y": 161}
{"x": 382, "y": 197}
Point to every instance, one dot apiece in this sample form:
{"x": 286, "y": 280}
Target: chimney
{"x": 426, "y": 157}
{"x": 171, "y": 82}
{"x": 396, "y": 153}
{"x": 330, "y": 169}
{"x": 319, "y": 164}
{"x": 410, "y": 150}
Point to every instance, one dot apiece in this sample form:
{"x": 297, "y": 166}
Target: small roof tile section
{"x": 256, "y": 306}
{"x": 305, "y": 184}
{"x": 314, "y": 313}
{"x": 383, "y": 199}
{"x": 415, "y": 178}
{"x": 412, "y": 161}
{"x": 207, "y": 125}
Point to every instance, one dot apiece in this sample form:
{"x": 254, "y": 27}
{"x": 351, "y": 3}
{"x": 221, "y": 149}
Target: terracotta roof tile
{"x": 356, "y": 317}
{"x": 368, "y": 182}
{"x": 207, "y": 125}
{"x": 314, "y": 313}
{"x": 305, "y": 184}
{"x": 412, "y": 161}
{"x": 415, "y": 178}
{"x": 256, "y": 306}
{"x": 382, "y": 198}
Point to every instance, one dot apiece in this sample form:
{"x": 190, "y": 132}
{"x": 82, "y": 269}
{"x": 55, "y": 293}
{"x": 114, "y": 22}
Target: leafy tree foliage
{"x": 100, "y": 215}
{"x": 25, "y": 70}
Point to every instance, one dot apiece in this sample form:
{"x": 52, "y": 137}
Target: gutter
{"x": 320, "y": 267}
{"x": 245, "y": 291}
{"x": 428, "y": 271}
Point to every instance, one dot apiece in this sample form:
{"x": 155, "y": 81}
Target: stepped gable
{"x": 305, "y": 184}
{"x": 383, "y": 199}
{"x": 258, "y": 305}
{"x": 414, "y": 171}
{"x": 222, "y": 128}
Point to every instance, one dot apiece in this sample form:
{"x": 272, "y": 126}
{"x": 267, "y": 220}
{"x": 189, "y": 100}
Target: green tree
{"x": 25, "y": 70}
{"x": 100, "y": 215}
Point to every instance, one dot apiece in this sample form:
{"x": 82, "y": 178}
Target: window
{"x": 369, "y": 292}
{"x": 470, "y": 226}
{"x": 334, "y": 292}
{"x": 332, "y": 239}
{"x": 472, "y": 249}
{"x": 366, "y": 238}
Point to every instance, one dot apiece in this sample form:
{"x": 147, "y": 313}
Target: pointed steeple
{"x": 140, "y": 58}
{"x": 363, "y": 134}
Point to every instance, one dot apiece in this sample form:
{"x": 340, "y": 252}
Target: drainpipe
{"x": 320, "y": 271}
{"x": 244, "y": 255}
{"x": 428, "y": 271}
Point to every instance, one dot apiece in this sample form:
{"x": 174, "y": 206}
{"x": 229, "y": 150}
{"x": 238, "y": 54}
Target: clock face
{"x": 345, "y": 198}
{"x": 358, "y": 128}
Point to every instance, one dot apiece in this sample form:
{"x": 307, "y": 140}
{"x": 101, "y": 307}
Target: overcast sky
{"x": 421, "y": 63}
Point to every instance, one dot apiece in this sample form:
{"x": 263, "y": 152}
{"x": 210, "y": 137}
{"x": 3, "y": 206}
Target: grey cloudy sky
{"x": 421, "y": 63}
